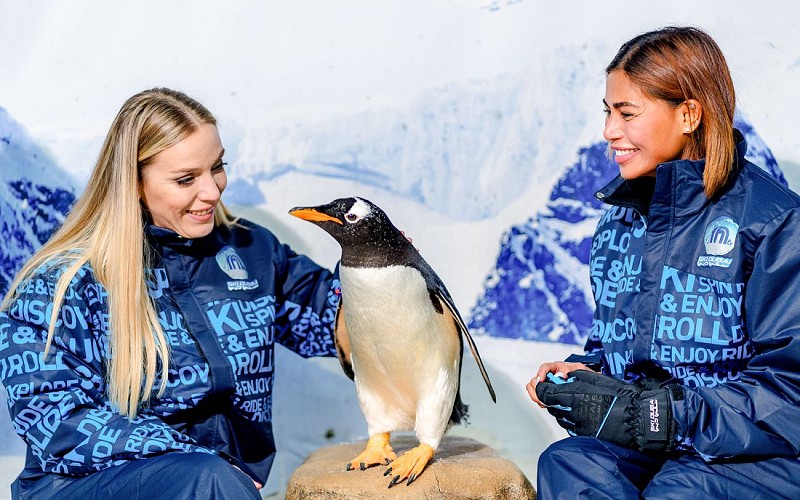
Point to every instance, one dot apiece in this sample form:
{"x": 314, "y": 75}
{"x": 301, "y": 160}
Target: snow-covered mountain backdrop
{"x": 34, "y": 197}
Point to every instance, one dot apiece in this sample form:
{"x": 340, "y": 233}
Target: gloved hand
{"x": 591, "y": 404}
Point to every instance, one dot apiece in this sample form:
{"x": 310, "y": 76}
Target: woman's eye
{"x": 219, "y": 166}
{"x": 185, "y": 181}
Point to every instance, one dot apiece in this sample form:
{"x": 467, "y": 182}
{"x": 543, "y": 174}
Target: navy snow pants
{"x": 585, "y": 467}
{"x": 170, "y": 476}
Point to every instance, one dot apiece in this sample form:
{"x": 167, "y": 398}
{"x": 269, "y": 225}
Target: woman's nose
{"x": 209, "y": 189}
{"x": 612, "y": 130}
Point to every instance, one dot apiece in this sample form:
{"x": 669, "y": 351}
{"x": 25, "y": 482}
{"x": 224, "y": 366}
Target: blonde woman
{"x": 137, "y": 344}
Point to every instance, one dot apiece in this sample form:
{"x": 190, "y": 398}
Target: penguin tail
{"x": 460, "y": 412}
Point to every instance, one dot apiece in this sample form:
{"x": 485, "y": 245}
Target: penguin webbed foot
{"x": 410, "y": 465}
{"x": 377, "y": 452}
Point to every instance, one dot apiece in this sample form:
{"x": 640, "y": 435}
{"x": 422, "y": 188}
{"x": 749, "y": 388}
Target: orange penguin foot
{"x": 378, "y": 451}
{"x": 410, "y": 465}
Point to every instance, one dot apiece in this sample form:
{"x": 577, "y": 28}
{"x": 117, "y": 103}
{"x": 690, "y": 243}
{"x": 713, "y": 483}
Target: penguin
{"x": 398, "y": 334}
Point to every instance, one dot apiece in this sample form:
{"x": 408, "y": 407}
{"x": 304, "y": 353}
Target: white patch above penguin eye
{"x": 358, "y": 211}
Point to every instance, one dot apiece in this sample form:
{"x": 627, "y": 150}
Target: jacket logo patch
{"x": 233, "y": 265}
{"x": 719, "y": 240}
{"x": 230, "y": 262}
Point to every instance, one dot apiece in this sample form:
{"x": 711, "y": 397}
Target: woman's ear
{"x": 692, "y": 114}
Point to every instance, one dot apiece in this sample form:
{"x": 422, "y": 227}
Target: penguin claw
{"x": 377, "y": 451}
{"x": 410, "y": 465}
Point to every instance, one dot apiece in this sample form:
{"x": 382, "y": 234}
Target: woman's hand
{"x": 557, "y": 368}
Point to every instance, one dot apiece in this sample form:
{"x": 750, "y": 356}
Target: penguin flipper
{"x": 444, "y": 298}
{"x": 342, "y": 341}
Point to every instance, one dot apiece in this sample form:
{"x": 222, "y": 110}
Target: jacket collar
{"x": 687, "y": 175}
{"x": 163, "y": 237}
{"x": 166, "y": 237}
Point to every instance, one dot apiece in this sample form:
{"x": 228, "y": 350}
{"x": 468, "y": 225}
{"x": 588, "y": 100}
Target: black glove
{"x": 630, "y": 415}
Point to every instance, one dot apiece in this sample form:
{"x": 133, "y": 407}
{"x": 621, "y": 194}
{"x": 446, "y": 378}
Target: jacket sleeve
{"x": 308, "y": 296}
{"x": 758, "y": 414}
{"x": 58, "y": 402}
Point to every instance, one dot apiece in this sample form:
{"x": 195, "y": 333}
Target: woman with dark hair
{"x": 689, "y": 384}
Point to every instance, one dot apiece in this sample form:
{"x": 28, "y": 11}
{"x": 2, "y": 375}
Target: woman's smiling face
{"x": 182, "y": 185}
{"x": 641, "y": 131}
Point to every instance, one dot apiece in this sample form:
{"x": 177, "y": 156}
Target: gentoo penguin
{"x": 398, "y": 335}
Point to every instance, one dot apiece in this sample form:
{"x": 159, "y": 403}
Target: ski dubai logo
{"x": 233, "y": 265}
{"x": 719, "y": 240}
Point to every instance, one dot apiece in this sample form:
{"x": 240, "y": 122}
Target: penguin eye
{"x": 351, "y": 217}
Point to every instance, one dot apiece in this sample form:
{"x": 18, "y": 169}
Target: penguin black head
{"x": 360, "y": 227}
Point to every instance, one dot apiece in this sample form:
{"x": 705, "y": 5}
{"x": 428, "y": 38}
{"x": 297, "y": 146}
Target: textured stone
{"x": 462, "y": 468}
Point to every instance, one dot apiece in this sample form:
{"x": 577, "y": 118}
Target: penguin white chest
{"x": 391, "y": 319}
{"x": 384, "y": 299}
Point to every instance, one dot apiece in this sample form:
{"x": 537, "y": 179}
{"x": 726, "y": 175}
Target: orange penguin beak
{"x": 313, "y": 215}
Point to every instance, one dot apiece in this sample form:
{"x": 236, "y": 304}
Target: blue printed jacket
{"x": 222, "y": 300}
{"x": 707, "y": 292}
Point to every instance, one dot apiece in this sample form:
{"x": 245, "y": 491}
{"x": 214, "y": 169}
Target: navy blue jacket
{"x": 707, "y": 292}
{"x": 222, "y": 300}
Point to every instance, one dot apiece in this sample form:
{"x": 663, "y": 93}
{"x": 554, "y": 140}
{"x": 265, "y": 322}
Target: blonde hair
{"x": 680, "y": 63}
{"x": 106, "y": 229}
